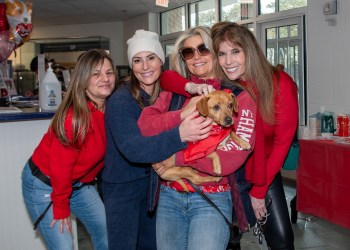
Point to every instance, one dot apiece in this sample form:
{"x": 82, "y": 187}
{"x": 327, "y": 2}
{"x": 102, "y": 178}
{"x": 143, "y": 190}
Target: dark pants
{"x": 278, "y": 230}
{"x": 130, "y": 226}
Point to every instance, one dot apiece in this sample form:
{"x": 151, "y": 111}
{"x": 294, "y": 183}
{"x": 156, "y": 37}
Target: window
{"x": 173, "y": 21}
{"x": 278, "y": 27}
{"x": 236, "y": 10}
{"x": 283, "y": 44}
{"x": 271, "y": 6}
{"x": 169, "y": 48}
{"x": 202, "y": 13}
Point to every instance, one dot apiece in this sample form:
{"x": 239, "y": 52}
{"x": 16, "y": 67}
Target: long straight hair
{"x": 260, "y": 75}
{"x": 77, "y": 99}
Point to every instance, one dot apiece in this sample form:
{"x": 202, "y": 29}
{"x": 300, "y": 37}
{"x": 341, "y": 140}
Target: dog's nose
{"x": 228, "y": 120}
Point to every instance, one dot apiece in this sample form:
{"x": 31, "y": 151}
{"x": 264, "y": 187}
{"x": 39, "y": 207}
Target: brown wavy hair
{"x": 77, "y": 99}
{"x": 259, "y": 73}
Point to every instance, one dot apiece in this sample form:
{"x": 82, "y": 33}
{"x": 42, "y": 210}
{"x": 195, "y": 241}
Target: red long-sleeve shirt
{"x": 64, "y": 165}
{"x": 156, "y": 118}
{"x": 277, "y": 137}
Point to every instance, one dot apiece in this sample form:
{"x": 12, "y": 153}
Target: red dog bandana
{"x": 200, "y": 149}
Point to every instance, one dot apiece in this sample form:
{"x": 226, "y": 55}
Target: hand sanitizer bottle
{"x": 50, "y": 91}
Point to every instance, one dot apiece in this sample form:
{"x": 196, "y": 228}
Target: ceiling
{"x": 66, "y": 12}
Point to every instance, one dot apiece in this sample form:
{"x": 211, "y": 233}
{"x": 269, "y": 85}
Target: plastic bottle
{"x": 327, "y": 123}
{"x": 50, "y": 91}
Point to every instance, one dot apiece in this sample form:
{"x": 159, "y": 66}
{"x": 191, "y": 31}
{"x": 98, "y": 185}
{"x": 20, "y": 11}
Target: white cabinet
{"x": 17, "y": 143}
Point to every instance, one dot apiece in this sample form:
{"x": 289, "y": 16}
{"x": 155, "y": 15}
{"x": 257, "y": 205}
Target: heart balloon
{"x": 6, "y": 47}
{"x": 19, "y": 16}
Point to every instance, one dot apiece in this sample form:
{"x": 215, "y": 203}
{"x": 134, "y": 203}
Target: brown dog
{"x": 220, "y": 106}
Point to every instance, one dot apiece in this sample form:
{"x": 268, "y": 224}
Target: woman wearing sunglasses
{"x": 184, "y": 219}
{"x": 242, "y": 60}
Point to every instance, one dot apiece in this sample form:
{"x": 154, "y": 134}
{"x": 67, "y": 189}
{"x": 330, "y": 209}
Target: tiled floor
{"x": 310, "y": 233}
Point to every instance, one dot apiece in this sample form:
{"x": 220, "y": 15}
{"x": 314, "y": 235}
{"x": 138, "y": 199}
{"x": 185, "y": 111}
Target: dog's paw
{"x": 245, "y": 145}
{"x": 217, "y": 170}
{"x": 217, "y": 179}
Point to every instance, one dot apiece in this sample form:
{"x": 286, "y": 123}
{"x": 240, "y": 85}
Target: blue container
{"x": 291, "y": 162}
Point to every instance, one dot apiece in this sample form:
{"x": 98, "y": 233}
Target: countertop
{"x": 27, "y": 114}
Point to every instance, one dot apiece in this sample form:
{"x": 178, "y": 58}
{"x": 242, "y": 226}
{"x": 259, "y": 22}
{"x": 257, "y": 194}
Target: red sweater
{"x": 272, "y": 142}
{"x": 156, "y": 118}
{"x": 65, "y": 165}
{"x": 276, "y": 138}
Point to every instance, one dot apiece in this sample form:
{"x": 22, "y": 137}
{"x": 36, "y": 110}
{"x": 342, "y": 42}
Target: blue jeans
{"x": 85, "y": 204}
{"x": 185, "y": 221}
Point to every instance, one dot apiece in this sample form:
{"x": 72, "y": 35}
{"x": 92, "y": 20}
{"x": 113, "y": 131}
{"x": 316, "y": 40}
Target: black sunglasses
{"x": 188, "y": 53}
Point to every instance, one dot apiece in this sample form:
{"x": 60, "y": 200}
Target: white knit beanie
{"x": 144, "y": 41}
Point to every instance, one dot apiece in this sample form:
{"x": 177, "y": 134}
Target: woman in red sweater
{"x": 243, "y": 61}
{"x": 59, "y": 176}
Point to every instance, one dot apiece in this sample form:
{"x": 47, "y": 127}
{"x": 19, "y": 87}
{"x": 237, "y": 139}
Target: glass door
{"x": 283, "y": 42}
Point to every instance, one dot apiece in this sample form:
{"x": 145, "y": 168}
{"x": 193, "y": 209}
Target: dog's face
{"x": 220, "y": 106}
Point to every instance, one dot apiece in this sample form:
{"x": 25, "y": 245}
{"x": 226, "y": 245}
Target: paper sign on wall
{"x": 163, "y": 3}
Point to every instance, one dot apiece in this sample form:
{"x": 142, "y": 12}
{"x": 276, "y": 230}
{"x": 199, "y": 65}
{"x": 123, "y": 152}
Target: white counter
{"x": 18, "y": 141}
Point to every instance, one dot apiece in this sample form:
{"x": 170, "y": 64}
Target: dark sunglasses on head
{"x": 188, "y": 53}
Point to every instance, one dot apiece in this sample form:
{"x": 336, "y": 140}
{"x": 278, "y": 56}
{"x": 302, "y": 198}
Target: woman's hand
{"x": 65, "y": 223}
{"x": 259, "y": 207}
{"x": 195, "y": 128}
{"x": 194, "y": 88}
{"x": 190, "y": 107}
{"x": 163, "y": 166}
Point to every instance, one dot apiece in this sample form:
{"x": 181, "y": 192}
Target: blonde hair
{"x": 259, "y": 73}
{"x": 176, "y": 61}
{"x": 77, "y": 99}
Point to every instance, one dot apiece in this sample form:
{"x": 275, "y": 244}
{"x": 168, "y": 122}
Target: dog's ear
{"x": 202, "y": 106}
{"x": 235, "y": 103}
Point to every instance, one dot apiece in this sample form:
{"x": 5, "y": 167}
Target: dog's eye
{"x": 216, "y": 107}
{"x": 230, "y": 106}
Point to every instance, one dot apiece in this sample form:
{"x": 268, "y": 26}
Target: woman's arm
{"x": 61, "y": 164}
{"x": 122, "y": 113}
{"x": 231, "y": 155}
{"x": 173, "y": 82}
{"x": 122, "y": 125}
{"x": 156, "y": 118}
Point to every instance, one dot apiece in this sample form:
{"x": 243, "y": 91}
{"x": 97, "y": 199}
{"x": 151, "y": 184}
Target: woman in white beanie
{"x": 129, "y": 183}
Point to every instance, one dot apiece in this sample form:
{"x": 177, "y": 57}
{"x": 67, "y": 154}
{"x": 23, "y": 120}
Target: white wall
{"x": 328, "y": 50}
{"x": 328, "y": 55}
{"x": 113, "y": 30}
{"x": 117, "y": 32}
{"x": 147, "y": 22}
